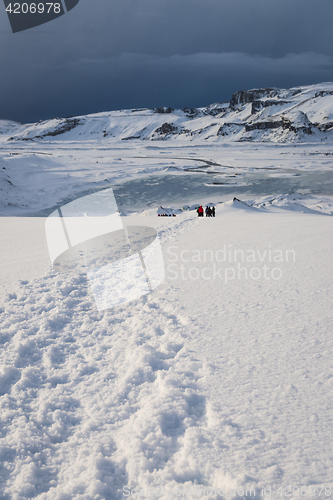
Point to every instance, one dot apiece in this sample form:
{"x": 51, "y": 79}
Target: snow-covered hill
{"x": 300, "y": 114}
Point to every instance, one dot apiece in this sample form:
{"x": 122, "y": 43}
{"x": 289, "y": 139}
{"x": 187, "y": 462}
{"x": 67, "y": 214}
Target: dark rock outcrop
{"x": 246, "y": 96}
{"x": 66, "y": 126}
{"x": 163, "y": 110}
{"x": 216, "y": 109}
{"x": 284, "y": 124}
{"x": 191, "y": 112}
{"x": 324, "y": 93}
{"x": 166, "y": 129}
{"x": 259, "y": 105}
{"x": 229, "y": 128}
{"x": 325, "y": 126}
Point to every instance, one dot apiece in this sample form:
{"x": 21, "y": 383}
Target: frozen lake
{"x": 186, "y": 188}
{"x": 179, "y": 189}
{"x": 142, "y": 177}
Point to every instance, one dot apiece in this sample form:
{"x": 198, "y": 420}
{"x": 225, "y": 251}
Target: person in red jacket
{"x": 200, "y": 211}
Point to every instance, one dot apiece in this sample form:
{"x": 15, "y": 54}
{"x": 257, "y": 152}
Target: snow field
{"x": 223, "y": 385}
{"x": 23, "y": 251}
{"x": 267, "y": 342}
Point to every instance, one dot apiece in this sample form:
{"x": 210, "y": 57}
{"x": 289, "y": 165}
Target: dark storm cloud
{"x": 130, "y": 53}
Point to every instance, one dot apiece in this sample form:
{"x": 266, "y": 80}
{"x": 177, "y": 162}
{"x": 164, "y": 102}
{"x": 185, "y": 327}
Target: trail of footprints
{"x": 122, "y": 385}
{"x": 161, "y": 384}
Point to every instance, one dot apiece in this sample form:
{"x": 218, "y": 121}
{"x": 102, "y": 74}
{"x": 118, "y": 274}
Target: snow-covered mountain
{"x": 300, "y": 114}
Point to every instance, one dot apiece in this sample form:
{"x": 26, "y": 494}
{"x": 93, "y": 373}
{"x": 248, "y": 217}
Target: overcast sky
{"x": 113, "y": 54}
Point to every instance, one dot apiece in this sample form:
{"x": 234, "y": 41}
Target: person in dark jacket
{"x": 213, "y": 211}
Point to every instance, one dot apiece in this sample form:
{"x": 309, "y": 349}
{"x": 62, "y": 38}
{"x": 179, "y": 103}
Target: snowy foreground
{"x": 215, "y": 385}
{"x": 219, "y": 381}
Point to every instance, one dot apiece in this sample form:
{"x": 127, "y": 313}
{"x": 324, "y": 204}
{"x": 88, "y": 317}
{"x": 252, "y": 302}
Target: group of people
{"x": 210, "y": 211}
